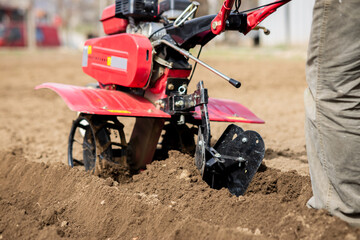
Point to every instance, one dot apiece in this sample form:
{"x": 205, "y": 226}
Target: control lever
{"x": 233, "y": 82}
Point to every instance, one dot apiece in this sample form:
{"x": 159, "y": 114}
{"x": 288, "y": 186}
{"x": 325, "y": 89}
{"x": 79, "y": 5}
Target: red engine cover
{"x": 121, "y": 59}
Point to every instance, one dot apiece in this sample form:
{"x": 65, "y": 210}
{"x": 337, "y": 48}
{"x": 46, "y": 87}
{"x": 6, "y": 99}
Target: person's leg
{"x": 332, "y": 105}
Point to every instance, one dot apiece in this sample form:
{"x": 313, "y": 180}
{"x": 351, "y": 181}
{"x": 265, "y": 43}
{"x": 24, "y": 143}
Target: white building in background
{"x": 290, "y": 24}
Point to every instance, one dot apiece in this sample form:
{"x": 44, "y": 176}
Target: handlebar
{"x": 257, "y": 16}
{"x": 253, "y": 18}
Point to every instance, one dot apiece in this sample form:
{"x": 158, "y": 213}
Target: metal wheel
{"x": 97, "y": 142}
{"x": 200, "y": 157}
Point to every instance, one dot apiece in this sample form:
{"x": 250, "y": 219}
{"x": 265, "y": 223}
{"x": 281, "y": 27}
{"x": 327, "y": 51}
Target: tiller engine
{"x": 143, "y": 71}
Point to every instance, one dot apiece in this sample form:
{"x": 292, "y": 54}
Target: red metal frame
{"x": 157, "y": 91}
{"x": 257, "y": 16}
{"x": 218, "y": 24}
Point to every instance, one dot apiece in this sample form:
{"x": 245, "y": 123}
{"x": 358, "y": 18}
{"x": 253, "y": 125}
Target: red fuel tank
{"x": 121, "y": 59}
{"x": 111, "y": 23}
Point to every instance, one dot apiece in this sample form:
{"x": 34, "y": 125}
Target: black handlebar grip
{"x": 235, "y": 83}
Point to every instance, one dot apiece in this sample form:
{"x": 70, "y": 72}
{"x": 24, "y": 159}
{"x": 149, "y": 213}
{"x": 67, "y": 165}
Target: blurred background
{"x": 68, "y": 23}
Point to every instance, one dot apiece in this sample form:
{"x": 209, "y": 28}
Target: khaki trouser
{"x": 332, "y": 105}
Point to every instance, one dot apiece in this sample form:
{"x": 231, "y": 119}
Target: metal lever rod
{"x": 233, "y": 82}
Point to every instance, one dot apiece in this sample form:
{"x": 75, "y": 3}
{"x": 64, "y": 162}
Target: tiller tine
{"x": 233, "y": 161}
{"x": 240, "y": 157}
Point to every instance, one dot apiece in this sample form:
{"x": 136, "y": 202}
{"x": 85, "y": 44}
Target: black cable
{"x": 165, "y": 27}
{"x": 252, "y": 9}
{"x": 237, "y": 5}
{"x": 192, "y": 74}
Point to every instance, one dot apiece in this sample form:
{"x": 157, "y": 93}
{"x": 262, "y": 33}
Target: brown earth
{"x": 42, "y": 198}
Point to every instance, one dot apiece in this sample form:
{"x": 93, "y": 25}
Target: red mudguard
{"x": 222, "y": 110}
{"x": 110, "y": 102}
{"x": 104, "y": 102}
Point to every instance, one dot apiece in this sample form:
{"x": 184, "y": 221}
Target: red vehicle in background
{"x": 14, "y": 35}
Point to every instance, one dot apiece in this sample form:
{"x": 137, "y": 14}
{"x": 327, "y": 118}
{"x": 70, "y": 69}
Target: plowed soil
{"x": 42, "y": 198}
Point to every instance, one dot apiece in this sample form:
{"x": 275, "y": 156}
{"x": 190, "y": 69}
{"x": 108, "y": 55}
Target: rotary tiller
{"x": 143, "y": 71}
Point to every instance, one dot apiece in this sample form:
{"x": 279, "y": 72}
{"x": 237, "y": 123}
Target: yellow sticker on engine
{"x": 109, "y": 61}
{"x": 237, "y": 118}
{"x": 119, "y": 111}
{"x": 89, "y": 50}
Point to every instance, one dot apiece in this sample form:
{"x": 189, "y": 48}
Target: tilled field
{"x": 42, "y": 198}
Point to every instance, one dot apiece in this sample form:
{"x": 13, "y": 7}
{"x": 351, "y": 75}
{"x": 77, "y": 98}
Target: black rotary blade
{"x": 246, "y": 150}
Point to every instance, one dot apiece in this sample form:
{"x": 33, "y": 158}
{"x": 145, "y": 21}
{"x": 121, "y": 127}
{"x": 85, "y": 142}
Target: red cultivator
{"x": 143, "y": 71}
